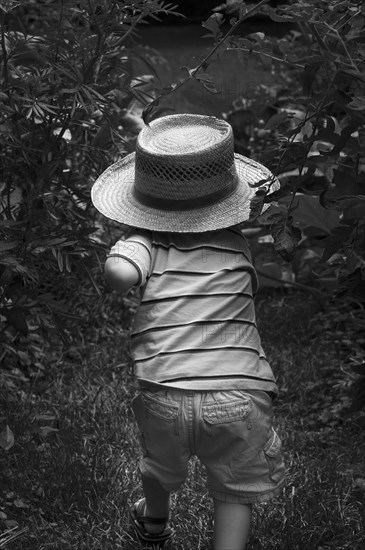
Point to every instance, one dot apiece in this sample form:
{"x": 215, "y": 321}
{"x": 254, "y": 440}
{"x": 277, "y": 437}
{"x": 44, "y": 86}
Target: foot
{"x": 149, "y": 529}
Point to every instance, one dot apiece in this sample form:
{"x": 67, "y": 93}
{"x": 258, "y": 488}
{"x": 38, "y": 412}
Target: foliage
{"x": 67, "y": 83}
{"x": 313, "y": 125}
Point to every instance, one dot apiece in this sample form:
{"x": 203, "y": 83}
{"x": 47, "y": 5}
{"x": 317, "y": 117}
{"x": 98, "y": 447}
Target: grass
{"x": 72, "y": 472}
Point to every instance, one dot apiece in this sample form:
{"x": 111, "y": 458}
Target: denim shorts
{"x": 229, "y": 431}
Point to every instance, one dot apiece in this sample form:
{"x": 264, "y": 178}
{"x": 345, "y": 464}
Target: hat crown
{"x": 183, "y": 134}
{"x": 183, "y": 158}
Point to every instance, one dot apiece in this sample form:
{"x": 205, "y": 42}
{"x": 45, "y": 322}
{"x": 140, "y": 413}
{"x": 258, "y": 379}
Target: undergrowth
{"x": 72, "y": 472}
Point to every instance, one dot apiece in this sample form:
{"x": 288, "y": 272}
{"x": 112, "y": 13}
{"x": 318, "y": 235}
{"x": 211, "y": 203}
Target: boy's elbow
{"x": 120, "y": 275}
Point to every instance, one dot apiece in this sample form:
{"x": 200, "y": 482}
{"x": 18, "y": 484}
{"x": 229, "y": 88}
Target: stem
{"x": 3, "y": 46}
{"x": 347, "y": 21}
{"x": 231, "y": 30}
{"x": 131, "y": 28}
{"x": 339, "y": 38}
{"x": 316, "y": 293}
{"x": 320, "y": 40}
{"x": 270, "y": 56}
{"x": 193, "y": 72}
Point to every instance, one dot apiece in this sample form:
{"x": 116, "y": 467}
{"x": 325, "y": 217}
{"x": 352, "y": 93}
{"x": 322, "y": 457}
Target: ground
{"x": 69, "y": 477}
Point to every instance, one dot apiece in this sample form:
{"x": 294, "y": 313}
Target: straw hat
{"x": 184, "y": 177}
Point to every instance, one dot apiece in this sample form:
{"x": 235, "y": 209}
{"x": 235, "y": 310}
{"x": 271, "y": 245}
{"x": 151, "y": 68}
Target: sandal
{"x": 138, "y": 519}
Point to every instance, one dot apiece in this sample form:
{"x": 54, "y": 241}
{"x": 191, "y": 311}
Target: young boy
{"x": 205, "y": 386}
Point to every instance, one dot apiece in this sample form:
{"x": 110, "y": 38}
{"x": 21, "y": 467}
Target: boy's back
{"x": 195, "y": 326}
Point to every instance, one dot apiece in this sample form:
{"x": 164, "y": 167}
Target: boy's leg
{"x": 231, "y": 525}
{"x": 157, "y": 503}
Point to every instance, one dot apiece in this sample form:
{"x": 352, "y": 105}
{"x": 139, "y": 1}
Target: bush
{"x": 68, "y": 81}
{"x": 312, "y": 133}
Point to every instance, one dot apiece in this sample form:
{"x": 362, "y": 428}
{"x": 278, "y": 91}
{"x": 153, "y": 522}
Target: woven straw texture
{"x": 184, "y": 177}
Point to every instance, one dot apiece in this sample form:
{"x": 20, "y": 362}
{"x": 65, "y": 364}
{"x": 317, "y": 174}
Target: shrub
{"x": 313, "y": 127}
{"x": 67, "y": 71}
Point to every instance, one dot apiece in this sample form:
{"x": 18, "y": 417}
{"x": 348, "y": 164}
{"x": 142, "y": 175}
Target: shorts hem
{"x": 236, "y": 498}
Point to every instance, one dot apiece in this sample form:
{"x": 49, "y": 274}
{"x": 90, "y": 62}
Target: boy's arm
{"x": 120, "y": 274}
{"x": 128, "y": 262}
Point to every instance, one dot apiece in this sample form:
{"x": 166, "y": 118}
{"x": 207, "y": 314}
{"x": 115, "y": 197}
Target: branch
{"x": 3, "y": 46}
{"x": 193, "y": 72}
{"x": 339, "y": 38}
{"x": 318, "y": 294}
{"x": 282, "y": 60}
{"x": 130, "y": 30}
{"x": 231, "y": 30}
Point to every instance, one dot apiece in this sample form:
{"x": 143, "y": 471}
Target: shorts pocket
{"x": 221, "y": 414}
{"x": 164, "y": 409}
{"x": 227, "y": 411}
{"x": 272, "y": 452}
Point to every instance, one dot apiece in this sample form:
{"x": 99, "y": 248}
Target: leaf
{"x": 286, "y": 239}
{"x": 18, "y": 503}
{"x": 360, "y": 482}
{"x": 279, "y": 18}
{"x": 352, "y": 282}
{"x": 284, "y": 45}
{"x": 16, "y": 318}
{"x": 256, "y": 204}
{"x": 257, "y": 36}
{"x": 358, "y": 103}
{"x": 355, "y": 210}
{"x": 359, "y": 368}
{"x": 207, "y": 83}
{"x": 46, "y": 107}
{"x": 339, "y": 140}
{"x": 339, "y": 235}
{"x": 8, "y": 245}
{"x": 312, "y": 59}
{"x": 44, "y": 431}
{"x": 356, "y": 35}
{"x": 276, "y": 120}
{"x": 60, "y": 261}
{"x": 264, "y": 182}
{"x": 212, "y": 24}
{"x": 60, "y": 326}
{"x": 7, "y": 439}
{"x": 147, "y": 114}
{"x": 7, "y": 5}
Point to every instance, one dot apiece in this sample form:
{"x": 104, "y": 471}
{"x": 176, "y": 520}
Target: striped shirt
{"x": 195, "y": 326}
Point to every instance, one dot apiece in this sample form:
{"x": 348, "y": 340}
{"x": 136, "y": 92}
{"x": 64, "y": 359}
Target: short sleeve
{"x": 136, "y": 250}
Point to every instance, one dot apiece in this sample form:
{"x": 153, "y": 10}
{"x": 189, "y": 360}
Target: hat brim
{"x": 112, "y": 194}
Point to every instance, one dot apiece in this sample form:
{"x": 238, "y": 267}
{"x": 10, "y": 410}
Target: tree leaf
{"x": 212, "y": 24}
{"x": 338, "y": 237}
{"x": 8, "y": 245}
{"x": 7, "y": 439}
{"x": 7, "y": 5}
{"x": 359, "y": 36}
{"x": 286, "y": 239}
{"x": 148, "y": 111}
{"x": 16, "y": 318}
{"x": 276, "y": 120}
{"x": 207, "y": 83}
{"x": 279, "y": 18}
{"x": 359, "y": 368}
{"x": 358, "y": 103}
{"x": 256, "y": 204}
